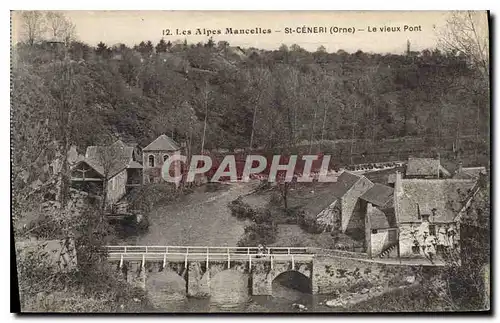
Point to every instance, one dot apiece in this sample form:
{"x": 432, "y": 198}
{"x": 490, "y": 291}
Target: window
{"x": 374, "y": 231}
{"x": 432, "y": 229}
{"x": 165, "y": 157}
{"x": 151, "y": 161}
{"x": 415, "y": 249}
{"x": 151, "y": 179}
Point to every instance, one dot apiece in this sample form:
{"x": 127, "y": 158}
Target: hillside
{"x": 363, "y": 105}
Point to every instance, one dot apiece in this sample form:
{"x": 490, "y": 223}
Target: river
{"x": 282, "y": 300}
{"x": 202, "y": 218}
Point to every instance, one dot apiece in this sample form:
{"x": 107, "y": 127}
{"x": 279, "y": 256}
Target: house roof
{"x": 324, "y": 194}
{"x": 312, "y": 198}
{"x": 123, "y": 157}
{"x": 98, "y": 168}
{"x": 134, "y": 164}
{"x": 319, "y": 202}
{"x": 470, "y": 173}
{"x": 446, "y": 196}
{"x": 163, "y": 142}
{"x": 344, "y": 183}
{"x": 378, "y": 195}
{"x": 422, "y": 167}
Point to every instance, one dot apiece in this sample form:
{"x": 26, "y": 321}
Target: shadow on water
{"x": 293, "y": 280}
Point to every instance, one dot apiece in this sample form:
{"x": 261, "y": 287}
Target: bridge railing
{"x": 206, "y": 250}
{"x": 203, "y": 256}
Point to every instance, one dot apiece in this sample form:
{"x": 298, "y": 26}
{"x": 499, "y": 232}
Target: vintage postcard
{"x": 251, "y": 161}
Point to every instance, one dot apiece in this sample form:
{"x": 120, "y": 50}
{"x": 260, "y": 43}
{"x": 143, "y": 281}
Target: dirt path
{"x": 199, "y": 219}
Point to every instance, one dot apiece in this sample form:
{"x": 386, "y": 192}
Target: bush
{"x": 91, "y": 287}
{"x": 241, "y": 210}
{"x": 258, "y": 233}
{"x": 359, "y": 285}
{"x": 275, "y": 199}
{"x": 148, "y": 196}
{"x": 308, "y": 223}
{"x": 95, "y": 289}
{"x": 262, "y": 216}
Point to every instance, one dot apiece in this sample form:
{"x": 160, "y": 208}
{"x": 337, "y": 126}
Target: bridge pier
{"x": 198, "y": 284}
{"x": 136, "y": 274}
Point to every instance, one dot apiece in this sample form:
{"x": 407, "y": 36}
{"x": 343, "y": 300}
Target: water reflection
{"x": 281, "y": 301}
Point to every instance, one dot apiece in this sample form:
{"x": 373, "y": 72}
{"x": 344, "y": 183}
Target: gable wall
{"x": 154, "y": 173}
{"x": 117, "y": 187}
{"x": 350, "y": 200}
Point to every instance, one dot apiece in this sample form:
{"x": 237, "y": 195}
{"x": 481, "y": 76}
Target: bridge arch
{"x": 229, "y": 286}
{"x": 293, "y": 279}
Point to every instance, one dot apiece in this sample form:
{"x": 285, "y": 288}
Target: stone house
{"x": 155, "y": 154}
{"x": 425, "y": 168}
{"x": 340, "y": 209}
{"x": 381, "y": 232}
{"x": 429, "y": 210}
{"x": 118, "y": 163}
{"x": 350, "y": 187}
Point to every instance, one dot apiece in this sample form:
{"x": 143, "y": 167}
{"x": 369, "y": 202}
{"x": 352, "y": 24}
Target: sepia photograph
{"x": 250, "y": 161}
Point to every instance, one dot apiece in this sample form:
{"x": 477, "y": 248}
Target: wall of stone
{"x": 379, "y": 241}
{"x": 155, "y": 171}
{"x": 356, "y": 226}
{"x": 263, "y": 275}
{"x": 409, "y": 231}
{"x": 225, "y": 285}
{"x": 117, "y": 187}
{"x": 327, "y": 218}
{"x": 340, "y": 274}
{"x": 350, "y": 199}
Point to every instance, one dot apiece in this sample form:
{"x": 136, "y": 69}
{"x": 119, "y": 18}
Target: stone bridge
{"x": 180, "y": 271}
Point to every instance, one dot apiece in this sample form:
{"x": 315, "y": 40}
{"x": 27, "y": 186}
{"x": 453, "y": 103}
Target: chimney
{"x": 397, "y": 183}
{"x": 398, "y": 190}
{"x": 434, "y": 210}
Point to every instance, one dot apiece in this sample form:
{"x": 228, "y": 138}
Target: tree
{"x": 145, "y": 48}
{"x": 210, "y": 43}
{"x": 60, "y": 27}
{"x": 321, "y": 49}
{"x": 288, "y": 94}
{"x": 33, "y": 25}
{"x": 261, "y": 83}
{"x": 68, "y": 102}
{"x": 467, "y": 32}
{"x": 102, "y": 50}
{"x": 161, "y": 47}
{"x": 149, "y": 47}
{"x": 109, "y": 157}
{"x": 204, "y": 102}
{"x": 222, "y": 45}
